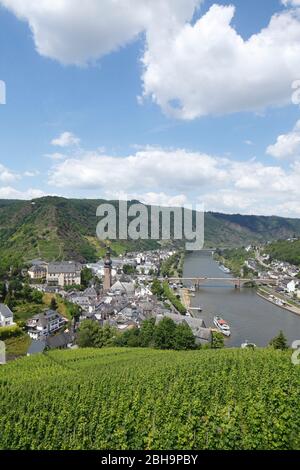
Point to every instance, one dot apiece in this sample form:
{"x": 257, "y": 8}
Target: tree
{"x": 86, "y": 277}
{"x": 107, "y": 335}
{"x": 27, "y": 292}
{"x": 3, "y": 290}
{"x": 217, "y": 340}
{"x": 92, "y": 335}
{"x": 128, "y": 269}
{"x": 147, "y": 333}
{"x": 10, "y": 300}
{"x": 164, "y": 334}
{"x": 184, "y": 338}
{"x": 88, "y": 334}
{"x": 74, "y": 310}
{"x": 157, "y": 288}
{"x": 279, "y": 342}
{"x": 130, "y": 339}
{"x": 15, "y": 287}
{"x": 37, "y": 296}
{"x": 53, "y": 304}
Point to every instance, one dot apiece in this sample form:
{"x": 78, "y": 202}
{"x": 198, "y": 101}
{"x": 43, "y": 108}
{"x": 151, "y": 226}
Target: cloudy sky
{"x": 166, "y": 101}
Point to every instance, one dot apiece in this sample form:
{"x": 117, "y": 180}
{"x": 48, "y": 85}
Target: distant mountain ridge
{"x": 55, "y": 228}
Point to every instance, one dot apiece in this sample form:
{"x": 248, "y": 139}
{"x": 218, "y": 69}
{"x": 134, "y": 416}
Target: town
{"x": 117, "y": 293}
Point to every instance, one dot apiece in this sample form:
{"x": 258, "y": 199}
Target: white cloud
{"x": 76, "y": 32}
{"x": 66, "y": 139}
{"x": 294, "y": 3}
{"x": 147, "y": 169}
{"x": 287, "y": 145}
{"x": 248, "y": 142}
{"x": 7, "y": 176}
{"x": 11, "y": 193}
{"x": 175, "y": 177}
{"x": 163, "y": 199}
{"x": 190, "y": 69}
{"x": 208, "y": 68}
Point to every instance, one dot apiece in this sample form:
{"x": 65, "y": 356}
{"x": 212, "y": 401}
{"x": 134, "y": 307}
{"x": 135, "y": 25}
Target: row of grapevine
{"x": 146, "y": 399}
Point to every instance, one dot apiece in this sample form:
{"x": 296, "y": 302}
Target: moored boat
{"x": 248, "y": 345}
{"x": 224, "y": 269}
{"x": 222, "y": 326}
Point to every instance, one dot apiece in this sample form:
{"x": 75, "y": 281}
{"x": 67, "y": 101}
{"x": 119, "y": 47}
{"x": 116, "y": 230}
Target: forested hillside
{"x": 285, "y": 250}
{"x": 56, "y": 228}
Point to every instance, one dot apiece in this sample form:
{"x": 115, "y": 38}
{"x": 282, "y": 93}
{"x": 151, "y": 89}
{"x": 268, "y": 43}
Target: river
{"x": 250, "y": 317}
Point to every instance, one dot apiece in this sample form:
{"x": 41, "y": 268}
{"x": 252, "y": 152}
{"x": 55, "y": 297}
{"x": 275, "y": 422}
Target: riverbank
{"x": 266, "y": 295}
{"x": 185, "y": 297}
{"x": 173, "y": 266}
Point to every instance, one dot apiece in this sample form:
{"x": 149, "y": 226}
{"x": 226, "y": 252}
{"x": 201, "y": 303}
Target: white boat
{"x": 222, "y": 326}
{"x": 224, "y": 269}
{"x": 248, "y": 345}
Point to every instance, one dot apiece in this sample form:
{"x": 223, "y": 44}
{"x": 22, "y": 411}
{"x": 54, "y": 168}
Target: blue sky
{"x": 213, "y": 102}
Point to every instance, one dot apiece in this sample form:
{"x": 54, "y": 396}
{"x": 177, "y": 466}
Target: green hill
{"x": 148, "y": 399}
{"x": 57, "y": 228}
{"x": 285, "y": 250}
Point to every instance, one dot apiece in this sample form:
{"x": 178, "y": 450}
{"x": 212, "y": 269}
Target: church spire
{"x": 107, "y": 270}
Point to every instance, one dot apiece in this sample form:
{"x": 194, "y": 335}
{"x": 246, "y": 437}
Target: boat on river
{"x": 224, "y": 269}
{"x": 222, "y": 326}
{"x": 248, "y": 345}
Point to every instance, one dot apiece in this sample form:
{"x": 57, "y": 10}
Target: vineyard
{"x": 147, "y": 399}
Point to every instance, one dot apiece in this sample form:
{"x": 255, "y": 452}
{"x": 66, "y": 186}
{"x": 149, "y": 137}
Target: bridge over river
{"x": 236, "y": 281}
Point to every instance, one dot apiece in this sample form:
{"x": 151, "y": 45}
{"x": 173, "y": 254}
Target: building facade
{"x": 64, "y": 273}
{"x": 37, "y": 272}
{"x": 45, "y": 324}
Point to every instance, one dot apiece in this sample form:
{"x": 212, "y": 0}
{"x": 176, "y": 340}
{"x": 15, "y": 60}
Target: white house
{"x": 44, "y": 324}
{"x": 291, "y": 287}
{"x": 6, "y": 316}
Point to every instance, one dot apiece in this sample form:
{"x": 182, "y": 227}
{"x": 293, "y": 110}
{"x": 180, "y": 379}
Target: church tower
{"x": 107, "y": 271}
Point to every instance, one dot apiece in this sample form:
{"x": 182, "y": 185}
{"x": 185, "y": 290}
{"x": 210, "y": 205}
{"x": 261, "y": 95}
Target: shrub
{"x": 7, "y": 332}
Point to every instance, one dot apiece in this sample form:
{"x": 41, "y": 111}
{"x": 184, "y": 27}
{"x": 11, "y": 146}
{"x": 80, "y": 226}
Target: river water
{"x": 250, "y": 317}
